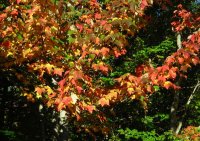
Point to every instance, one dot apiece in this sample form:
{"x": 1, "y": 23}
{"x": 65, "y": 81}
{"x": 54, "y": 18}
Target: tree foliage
{"x": 65, "y": 53}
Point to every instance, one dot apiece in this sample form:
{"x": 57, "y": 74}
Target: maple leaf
{"x": 97, "y": 16}
{"x": 168, "y": 84}
{"x": 185, "y": 67}
{"x": 3, "y": 16}
{"x": 39, "y": 90}
{"x": 49, "y": 90}
{"x": 14, "y": 12}
{"x": 103, "y": 102}
{"x": 60, "y": 106}
{"x": 107, "y": 27}
{"x": 195, "y": 60}
{"x": 67, "y": 100}
{"x": 74, "y": 98}
{"x": 61, "y": 83}
{"x": 149, "y": 88}
{"x": 80, "y": 27}
{"x": 103, "y": 22}
{"x": 48, "y": 66}
{"x": 130, "y": 90}
{"x": 79, "y": 89}
{"x": 172, "y": 74}
{"x": 6, "y": 44}
{"x": 58, "y": 71}
{"x": 97, "y": 40}
{"x": 18, "y": 1}
{"x": 165, "y": 68}
{"x": 90, "y": 108}
{"x": 186, "y": 55}
{"x": 180, "y": 60}
{"x": 105, "y": 51}
{"x": 143, "y": 4}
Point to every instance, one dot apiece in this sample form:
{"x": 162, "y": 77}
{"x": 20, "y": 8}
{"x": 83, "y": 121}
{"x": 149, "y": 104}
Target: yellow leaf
{"x": 49, "y": 67}
{"x": 130, "y": 90}
{"x": 9, "y": 54}
{"x": 49, "y": 90}
{"x": 77, "y": 52}
{"x": 26, "y": 52}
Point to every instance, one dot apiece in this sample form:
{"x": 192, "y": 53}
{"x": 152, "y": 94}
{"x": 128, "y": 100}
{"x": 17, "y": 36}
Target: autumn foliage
{"x": 59, "y": 49}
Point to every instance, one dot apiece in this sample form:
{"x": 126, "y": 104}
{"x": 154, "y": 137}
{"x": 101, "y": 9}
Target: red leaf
{"x": 195, "y": 60}
{"x": 143, "y": 4}
{"x": 161, "y": 78}
{"x": 165, "y": 68}
{"x": 14, "y": 12}
{"x": 97, "y": 16}
{"x": 139, "y": 70}
{"x": 6, "y": 44}
{"x": 103, "y": 22}
{"x": 61, "y": 83}
{"x": 18, "y": 1}
{"x": 186, "y": 55}
{"x": 79, "y": 89}
{"x": 80, "y": 27}
{"x": 88, "y": 21}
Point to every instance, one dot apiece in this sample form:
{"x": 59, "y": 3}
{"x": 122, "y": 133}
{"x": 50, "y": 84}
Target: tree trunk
{"x": 175, "y": 103}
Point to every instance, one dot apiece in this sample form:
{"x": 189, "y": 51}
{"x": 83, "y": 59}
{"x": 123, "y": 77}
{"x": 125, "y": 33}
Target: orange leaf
{"x": 39, "y": 90}
{"x": 105, "y": 51}
{"x": 3, "y": 16}
{"x": 185, "y": 67}
{"x": 168, "y": 84}
{"x": 195, "y": 60}
{"x": 60, "y": 106}
{"x": 103, "y": 102}
{"x": 67, "y": 100}
{"x": 107, "y": 27}
{"x": 149, "y": 88}
{"x": 97, "y": 40}
{"x": 58, "y": 71}
{"x": 180, "y": 60}
{"x": 103, "y": 68}
{"x": 172, "y": 74}
{"x": 90, "y": 108}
